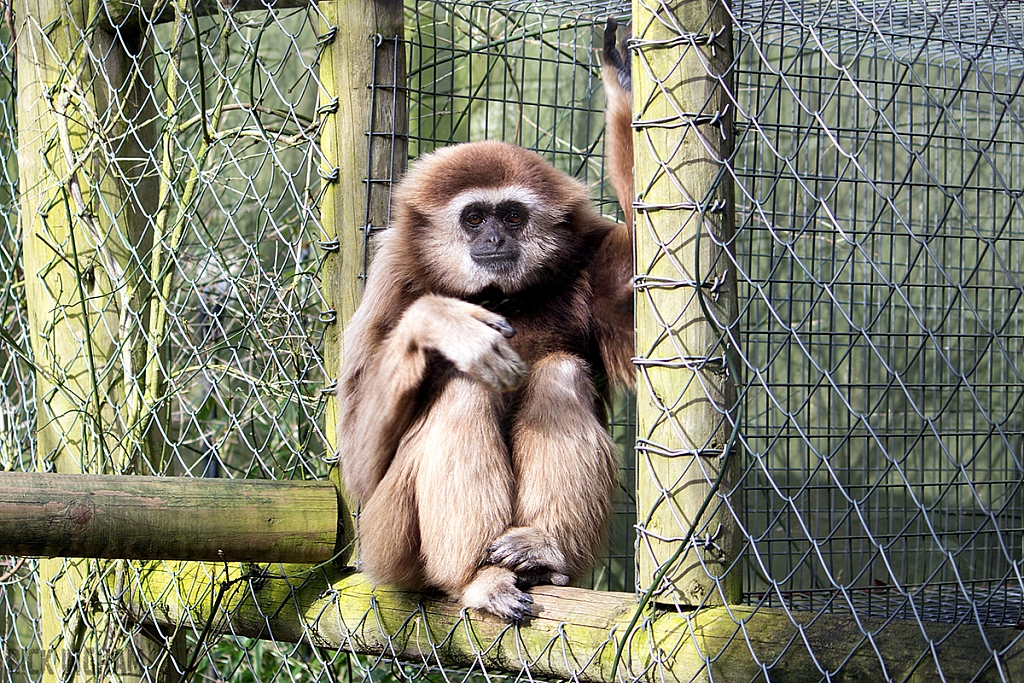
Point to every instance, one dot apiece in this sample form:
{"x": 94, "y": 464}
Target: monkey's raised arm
{"x": 618, "y": 117}
{"x": 613, "y": 264}
{"x": 612, "y": 286}
{"x": 386, "y": 362}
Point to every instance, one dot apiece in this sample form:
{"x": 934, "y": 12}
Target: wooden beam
{"x": 84, "y": 221}
{"x": 364, "y": 149}
{"x": 575, "y": 633}
{"x": 148, "y": 518}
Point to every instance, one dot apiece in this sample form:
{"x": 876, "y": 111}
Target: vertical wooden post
{"x": 87, "y": 185}
{"x": 684, "y": 226}
{"x": 365, "y": 145}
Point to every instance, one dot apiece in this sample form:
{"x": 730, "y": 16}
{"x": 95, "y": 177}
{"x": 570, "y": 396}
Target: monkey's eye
{"x": 474, "y": 218}
{"x": 514, "y": 218}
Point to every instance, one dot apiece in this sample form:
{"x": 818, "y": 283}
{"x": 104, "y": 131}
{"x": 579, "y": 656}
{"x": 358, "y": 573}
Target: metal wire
{"x": 878, "y": 169}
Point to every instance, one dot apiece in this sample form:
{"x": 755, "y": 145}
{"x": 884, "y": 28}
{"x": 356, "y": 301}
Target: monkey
{"x": 495, "y": 323}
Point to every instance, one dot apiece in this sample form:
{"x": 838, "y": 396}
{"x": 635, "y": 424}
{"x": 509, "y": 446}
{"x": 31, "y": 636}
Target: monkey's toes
{"x": 544, "y": 576}
{"x": 494, "y": 590}
{"x": 511, "y": 606}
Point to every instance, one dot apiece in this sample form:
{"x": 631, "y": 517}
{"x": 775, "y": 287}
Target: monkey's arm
{"x": 618, "y": 123}
{"x": 378, "y": 390}
{"x": 612, "y": 286}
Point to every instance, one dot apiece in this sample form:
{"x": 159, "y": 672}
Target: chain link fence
{"x": 875, "y": 427}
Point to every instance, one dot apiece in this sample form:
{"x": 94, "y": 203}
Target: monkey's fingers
{"x": 525, "y": 550}
{"x": 611, "y": 54}
{"x": 501, "y": 325}
{"x": 611, "y": 30}
{"x": 501, "y": 369}
{"x": 536, "y": 578}
{"x": 494, "y": 321}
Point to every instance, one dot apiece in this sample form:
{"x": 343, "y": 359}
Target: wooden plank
{"x": 142, "y": 518}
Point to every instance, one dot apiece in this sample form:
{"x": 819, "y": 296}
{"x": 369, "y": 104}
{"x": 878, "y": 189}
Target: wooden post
{"x": 87, "y": 190}
{"x": 686, "y": 301}
{"x": 364, "y": 142}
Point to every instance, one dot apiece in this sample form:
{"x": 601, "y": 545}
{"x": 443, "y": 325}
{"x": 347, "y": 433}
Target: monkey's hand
{"x": 474, "y": 339}
{"x": 531, "y": 554}
{"x": 614, "y": 58}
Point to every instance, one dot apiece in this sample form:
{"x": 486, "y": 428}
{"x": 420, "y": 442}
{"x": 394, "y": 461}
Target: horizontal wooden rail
{"x": 574, "y": 635}
{"x": 179, "y": 518}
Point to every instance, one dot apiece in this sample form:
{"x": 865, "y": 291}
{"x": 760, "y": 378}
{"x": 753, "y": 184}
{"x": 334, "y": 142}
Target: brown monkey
{"x": 497, "y": 314}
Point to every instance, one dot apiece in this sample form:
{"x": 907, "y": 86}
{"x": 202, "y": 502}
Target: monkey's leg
{"x": 389, "y": 539}
{"x": 564, "y": 464}
{"x": 464, "y": 494}
{"x": 377, "y": 395}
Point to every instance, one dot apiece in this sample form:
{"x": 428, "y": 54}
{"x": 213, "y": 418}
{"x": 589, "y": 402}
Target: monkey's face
{"x": 493, "y": 232}
{"x": 491, "y": 215}
{"x": 495, "y": 237}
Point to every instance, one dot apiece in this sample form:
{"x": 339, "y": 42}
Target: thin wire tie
{"x": 653, "y": 448}
{"x": 686, "y": 118}
{"x": 329, "y": 108}
{"x": 642, "y": 283}
{"x": 708, "y": 38}
{"x": 697, "y": 541}
{"x": 327, "y": 38}
{"x": 717, "y": 206}
{"x": 332, "y": 177}
{"x": 695, "y": 363}
{"x": 328, "y": 316}
{"x": 329, "y": 246}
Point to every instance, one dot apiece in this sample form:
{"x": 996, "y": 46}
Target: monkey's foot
{"x": 531, "y": 554}
{"x": 494, "y": 590}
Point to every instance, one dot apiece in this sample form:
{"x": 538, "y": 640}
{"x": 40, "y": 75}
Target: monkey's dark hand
{"x": 531, "y": 554}
{"x": 474, "y": 339}
{"x": 615, "y": 58}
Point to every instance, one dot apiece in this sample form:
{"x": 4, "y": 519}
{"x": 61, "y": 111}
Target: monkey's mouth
{"x": 496, "y": 262}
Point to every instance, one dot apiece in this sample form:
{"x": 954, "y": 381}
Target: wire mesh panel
{"x": 880, "y": 241}
{"x": 186, "y": 153}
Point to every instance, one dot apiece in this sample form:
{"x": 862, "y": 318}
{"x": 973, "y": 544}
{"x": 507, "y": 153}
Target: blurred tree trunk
{"x": 87, "y": 193}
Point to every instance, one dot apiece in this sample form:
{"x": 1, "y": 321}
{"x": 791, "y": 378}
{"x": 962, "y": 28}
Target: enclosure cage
{"x": 875, "y": 154}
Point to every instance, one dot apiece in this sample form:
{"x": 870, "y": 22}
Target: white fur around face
{"x": 447, "y": 244}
